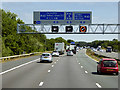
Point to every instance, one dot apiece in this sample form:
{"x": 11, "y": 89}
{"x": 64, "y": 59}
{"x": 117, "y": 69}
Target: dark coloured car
{"x": 109, "y": 49}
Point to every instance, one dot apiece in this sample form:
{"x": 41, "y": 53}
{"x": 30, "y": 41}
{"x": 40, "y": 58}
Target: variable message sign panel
{"x": 64, "y": 18}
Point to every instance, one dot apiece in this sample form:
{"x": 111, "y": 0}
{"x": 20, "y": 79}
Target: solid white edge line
{"x": 41, "y": 83}
{"x": 90, "y": 57}
{"x": 18, "y": 66}
{"x": 48, "y": 70}
{"x": 98, "y": 85}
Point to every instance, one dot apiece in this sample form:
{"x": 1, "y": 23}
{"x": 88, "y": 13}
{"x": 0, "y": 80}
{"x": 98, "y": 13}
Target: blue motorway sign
{"x": 51, "y": 15}
{"x": 69, "y": 16}
{"x": 80, "y": 16}
{"x": 54, "y": 17}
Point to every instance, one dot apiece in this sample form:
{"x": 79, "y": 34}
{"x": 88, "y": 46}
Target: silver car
{"x": 46, "y": 57}
{"x": 55, "y": 53}
{"x": 69, "y": 53}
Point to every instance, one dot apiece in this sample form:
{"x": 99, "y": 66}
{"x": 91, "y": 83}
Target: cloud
{"x": 60, "y": 0}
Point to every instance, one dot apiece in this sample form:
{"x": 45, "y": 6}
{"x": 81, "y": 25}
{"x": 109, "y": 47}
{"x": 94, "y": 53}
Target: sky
{"x": 102, "y": 12}
{"x": 59, "y": 0}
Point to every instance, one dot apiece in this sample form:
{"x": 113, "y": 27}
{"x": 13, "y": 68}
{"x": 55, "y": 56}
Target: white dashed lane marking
{"x": 86, "y": 71}
{"x": 41, "y": 83}
{"x": 52, "y": 65}
{"x": 48, "y": 70}
{"x": 81, "y": 66}
{"x": 98, "y": 85}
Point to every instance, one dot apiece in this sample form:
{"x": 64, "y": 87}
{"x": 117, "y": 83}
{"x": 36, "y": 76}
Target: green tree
{"x": 69, "y": 41}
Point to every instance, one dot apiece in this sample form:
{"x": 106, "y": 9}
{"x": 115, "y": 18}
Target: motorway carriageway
{"x": 78, "y": 71}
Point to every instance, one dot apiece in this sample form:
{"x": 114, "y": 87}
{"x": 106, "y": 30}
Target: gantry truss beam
{"x": 46, "y": 29}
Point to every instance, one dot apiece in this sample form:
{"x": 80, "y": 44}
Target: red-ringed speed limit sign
{"x": 83, "y": 28}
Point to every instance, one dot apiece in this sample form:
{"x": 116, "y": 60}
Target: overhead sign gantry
{"x": 66, "y": 22}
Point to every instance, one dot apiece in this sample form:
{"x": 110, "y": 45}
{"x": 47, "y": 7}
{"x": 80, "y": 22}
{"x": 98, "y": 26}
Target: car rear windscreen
{"x": 45, "y": 55}
{"x": 55, "y": 51}
{"x": 109, "y": 63}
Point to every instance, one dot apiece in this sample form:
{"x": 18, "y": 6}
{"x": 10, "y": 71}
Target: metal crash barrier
{"x": 17, "y": 56}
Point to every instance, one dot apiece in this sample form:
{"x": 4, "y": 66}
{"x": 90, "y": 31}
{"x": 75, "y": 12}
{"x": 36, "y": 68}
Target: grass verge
{"x": 93, "y": 55}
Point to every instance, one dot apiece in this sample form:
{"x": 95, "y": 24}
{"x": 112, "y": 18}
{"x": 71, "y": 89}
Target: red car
{"x": 106, "y": 65}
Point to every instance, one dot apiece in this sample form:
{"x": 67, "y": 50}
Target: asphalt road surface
{"x": 78, "y": 71}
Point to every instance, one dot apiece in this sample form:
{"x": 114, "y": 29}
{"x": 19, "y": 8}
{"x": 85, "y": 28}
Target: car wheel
{"x": 117, "y": 73}
{"x": 50, "y": 61}
{"x": 100, "y": 72}
{"x": 97, "y": 71}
